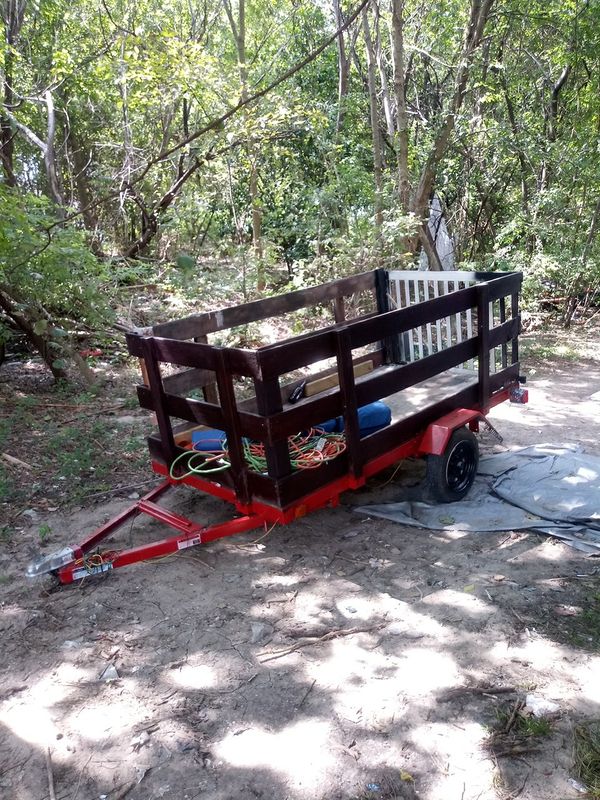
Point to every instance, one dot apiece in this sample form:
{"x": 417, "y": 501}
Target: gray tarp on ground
{"x": 526, "y": 488}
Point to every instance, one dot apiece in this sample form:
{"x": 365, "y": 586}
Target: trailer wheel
{"x": 451, "y": 475}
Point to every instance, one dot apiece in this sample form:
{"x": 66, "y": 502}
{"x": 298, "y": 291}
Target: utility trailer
{"x": 439, "y": 349}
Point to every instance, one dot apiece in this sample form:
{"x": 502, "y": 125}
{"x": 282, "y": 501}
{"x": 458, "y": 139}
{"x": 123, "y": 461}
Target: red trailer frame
{"x": 484, "y": 310}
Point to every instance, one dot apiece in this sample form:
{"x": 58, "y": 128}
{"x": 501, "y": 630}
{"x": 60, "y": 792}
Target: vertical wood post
{"x": 232, "y": 420}
{"x": 348, "y": 390}
{"x": 268, "y": 402}
{"x": 483, "y": 331}
{"x": 210, "y": 390}
{"x": 504, "y": 345}
{"x": 514, "y": 308}
{"x": 155, "y": 385}
{"x": 391, "y": 346}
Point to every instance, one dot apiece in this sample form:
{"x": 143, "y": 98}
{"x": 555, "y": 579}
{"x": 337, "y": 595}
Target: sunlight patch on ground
{"x": 462, "y": 600}
{"x": 96, "y": 722}
{"x": 299, "y": 753}
{"x": 456, "y": 752}
{"x": 366, "y": 682}
{"x": 355, "y": 608}
{"x": 559, "y": 678}
{"x": 549, "y": 550}
{"x": 30, "y": 722}
{"x": 191, "y": 676}
{"x": 31, "y": 718}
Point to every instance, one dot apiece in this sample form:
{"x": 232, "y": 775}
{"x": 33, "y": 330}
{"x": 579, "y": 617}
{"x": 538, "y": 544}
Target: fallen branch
{"x": 336, "y": 634}
{"x": 306, "y": 693}
{"x": 16, "y": 462}
{"x": 51, "y": 792}
{"x": 513, "y": 716}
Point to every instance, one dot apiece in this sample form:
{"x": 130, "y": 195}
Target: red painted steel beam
{"x": 105, "y": 530}
{"x": 196, "y": 534}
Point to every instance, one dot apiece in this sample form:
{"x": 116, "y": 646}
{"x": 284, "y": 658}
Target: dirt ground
{"x": 338, "y": 657}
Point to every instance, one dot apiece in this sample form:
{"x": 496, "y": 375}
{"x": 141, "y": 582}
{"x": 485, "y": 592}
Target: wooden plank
{"x": 191, "y": 410}
{"x": 399, "y": 432}
{"x": 502, "y": 334}
{"x": 328, "y": 382}
{"x": 391, "y": 346}
{"x": 339, "y": 310}
{"x": 375, "y": 357}
{"x": 134, "y": 345}
{"x": 483, "y": 332}
{"x": 392, "y": 380}
{"x": 363, "y": 332}
{"x": 157, "y": 393}
{"x": 209, "y": 389}
{"x": 298, "y": 484}
{"x": 303, "y": 336}
{"x": 233, "y": 427}
{"x": 199, "y": 324}
{"x": 288, "y": 356}
{"x": 346, "y": 381}
{"x": 268, "y": 402}
{"x": 185, "y": 354}
{"x": 291, "y": 355}
{"x": 305, "y": 414}
{"x": 182, "y": 382}
{"x": 184, "y": 437}
{"x": 202, "y": 413}
{"x": 504, "y": 378}
{"x": 375, "y": 385}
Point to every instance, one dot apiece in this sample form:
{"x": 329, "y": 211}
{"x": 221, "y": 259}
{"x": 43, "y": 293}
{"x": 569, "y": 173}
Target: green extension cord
{"x": 202, "y": 468}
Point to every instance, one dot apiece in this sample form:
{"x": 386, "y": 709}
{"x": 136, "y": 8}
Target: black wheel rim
{"x": 461, "y": 467}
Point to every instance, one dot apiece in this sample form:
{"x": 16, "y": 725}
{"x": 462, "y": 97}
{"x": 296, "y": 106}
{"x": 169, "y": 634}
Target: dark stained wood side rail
{"x": 181, "y": 382}
{"x": 199, "y": 324}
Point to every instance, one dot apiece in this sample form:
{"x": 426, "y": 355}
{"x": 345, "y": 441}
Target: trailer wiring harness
{"x": 308, "y": 450}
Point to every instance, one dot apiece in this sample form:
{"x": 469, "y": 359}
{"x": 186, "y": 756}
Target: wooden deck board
{"x": 418, "y": 397}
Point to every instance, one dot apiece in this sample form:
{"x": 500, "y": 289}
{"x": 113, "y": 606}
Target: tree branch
{"x": 217, "y": 122}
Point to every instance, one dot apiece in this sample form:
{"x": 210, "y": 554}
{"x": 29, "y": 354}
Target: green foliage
{"x": 518, "y": 175}
{"x": 586, "y": 752}
{"x": 47, "y": 274}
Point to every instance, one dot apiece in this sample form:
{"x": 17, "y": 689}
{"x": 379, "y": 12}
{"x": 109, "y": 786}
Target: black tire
{"x": 451, "y": 475}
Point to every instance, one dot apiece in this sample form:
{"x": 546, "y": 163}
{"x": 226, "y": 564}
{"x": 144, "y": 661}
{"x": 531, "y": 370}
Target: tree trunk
{"x": 12, "y": 308}
{"x": 480, "y": 11}
{"x": 81, "y": 162}
{"x": 343, "y": 69}
{"x": 404, "y": 183}
{"x": 238, "y": 31}
{"x": 377, "y": 168}
{"x": 14, "y": 13}
{"x": 383, "y": 78}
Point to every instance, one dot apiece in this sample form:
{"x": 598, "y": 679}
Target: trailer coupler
{"x": 74, "y": 563}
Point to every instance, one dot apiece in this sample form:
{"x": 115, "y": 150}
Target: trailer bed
{"x": 436, "y": 342}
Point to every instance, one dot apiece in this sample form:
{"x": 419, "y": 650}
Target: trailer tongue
{"x": 412, "y": 373}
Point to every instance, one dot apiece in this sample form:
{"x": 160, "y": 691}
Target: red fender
{"x": 436, "y": 436}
